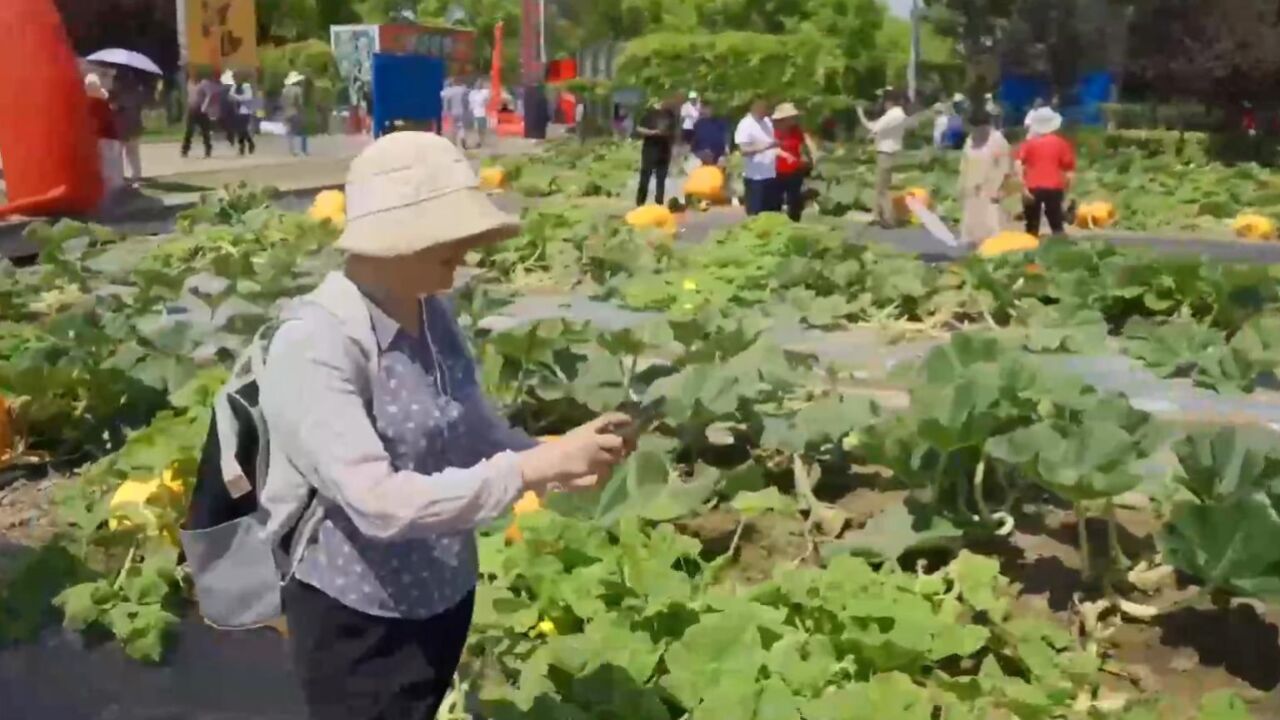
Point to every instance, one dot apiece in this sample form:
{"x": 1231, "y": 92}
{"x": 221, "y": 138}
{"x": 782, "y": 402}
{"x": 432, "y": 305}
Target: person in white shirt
{"x": 690, "y": 111}
{"x": 755, "y": 140}
{"x": 453, "y": 98}
{"x": 940, "y": 125}
{"x": 995, "y": 112}
{"x": 479, "y": 101}
{"x": 689, "y": 114}
{"x": 887, "y": 133}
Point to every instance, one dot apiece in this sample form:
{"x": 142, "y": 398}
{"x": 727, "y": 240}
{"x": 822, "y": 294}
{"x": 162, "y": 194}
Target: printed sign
{"x": 454, "y": 45}
{"x": 221, "y": 34}
{"x": 353, "y": 49}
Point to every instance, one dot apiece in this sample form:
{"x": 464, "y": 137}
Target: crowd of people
{"x": 230, "y": 104}
{"x": 778, "y": 155}
{"x": 777, "y": 152}
{"x": 465, "y": 107}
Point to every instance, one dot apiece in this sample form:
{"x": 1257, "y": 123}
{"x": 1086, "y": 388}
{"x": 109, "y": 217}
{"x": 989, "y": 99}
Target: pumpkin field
{"x": 879, "y": 487}
{"x": 1123, "y": 188}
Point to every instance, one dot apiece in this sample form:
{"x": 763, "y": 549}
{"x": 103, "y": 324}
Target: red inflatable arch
{"x": 47, "y": 141}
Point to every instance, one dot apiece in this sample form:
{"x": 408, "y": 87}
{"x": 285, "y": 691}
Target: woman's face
{"x": 430, "y": 271}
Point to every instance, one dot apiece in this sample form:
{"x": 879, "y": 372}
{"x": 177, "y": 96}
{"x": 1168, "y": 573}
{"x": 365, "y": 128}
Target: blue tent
{"x": 406, "y": 87}
{"x": 1082, "y": 105}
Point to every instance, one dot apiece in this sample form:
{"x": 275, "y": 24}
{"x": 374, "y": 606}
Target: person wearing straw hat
{"x": 293, "y": 101}
{"x": 1047, "y": 164}
{"x": 373, "y": 406}
{"x": 795, "y": 158}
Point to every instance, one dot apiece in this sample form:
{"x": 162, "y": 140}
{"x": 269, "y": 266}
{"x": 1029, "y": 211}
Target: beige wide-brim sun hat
{"x": 784, "y": 111}
{"x": 410, "y": 191}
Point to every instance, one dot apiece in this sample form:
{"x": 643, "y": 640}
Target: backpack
{"x": 236, "y": 567}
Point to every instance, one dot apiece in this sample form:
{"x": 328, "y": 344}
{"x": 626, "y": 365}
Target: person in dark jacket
{"x": 710, "y": 136}
{"x": 657, "y": 129}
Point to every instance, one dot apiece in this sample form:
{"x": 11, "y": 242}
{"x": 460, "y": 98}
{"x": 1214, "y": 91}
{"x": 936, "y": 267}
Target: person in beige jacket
{"x": 985, "y": 169}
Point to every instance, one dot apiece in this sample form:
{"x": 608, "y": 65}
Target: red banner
{"x": 495, "y": 72}
{"x": 455, "y": 45}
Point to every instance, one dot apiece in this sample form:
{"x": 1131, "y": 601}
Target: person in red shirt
{"x": 1047, "y": 163}
{"x": 104, "y": 121}
{"x": 795, "y": 158}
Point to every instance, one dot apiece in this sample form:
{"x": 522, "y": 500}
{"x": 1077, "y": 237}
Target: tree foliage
{"x": 940, "y": 62}
{"x": 284, "y": 21}
{"x": 833, "y": 43}
{"x": 1207, "y": 49}
{"x": 734, "y": 67}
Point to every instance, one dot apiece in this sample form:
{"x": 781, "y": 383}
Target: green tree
{"x": 335, "y": 12}
{"x": 483, "y": 16}
{"x": 282, "y": 21}
{"x": 941, "y": 67}
{"x": 732, "y": 68}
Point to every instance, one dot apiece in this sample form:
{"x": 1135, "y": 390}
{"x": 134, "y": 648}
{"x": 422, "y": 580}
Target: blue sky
{"x": 900, "y": 8}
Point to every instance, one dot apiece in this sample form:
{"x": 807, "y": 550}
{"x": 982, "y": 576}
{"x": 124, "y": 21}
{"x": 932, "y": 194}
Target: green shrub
{"x": 1148, "y": 116}
{"x": 312, "y": 58}
{"x": 1186, "y": 147}
{"x": 735, "y": 67}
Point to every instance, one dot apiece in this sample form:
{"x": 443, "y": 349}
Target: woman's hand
{"x": 577, "y": 459}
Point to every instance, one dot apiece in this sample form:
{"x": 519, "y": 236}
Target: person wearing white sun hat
{"x": 373, "y": 406}
{"x": 1047, "y": 164}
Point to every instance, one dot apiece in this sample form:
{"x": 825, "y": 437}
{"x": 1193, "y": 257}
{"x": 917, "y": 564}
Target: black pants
{"x": 762, "y": 196}
{"x": 791, "y": 194}
{"x": 355, "y": 666}
{"x": 1051, "y": 202}
{"x": 244, "y": 134}
{"x": 197, "y": 120}
{"x": 656, "y": 167}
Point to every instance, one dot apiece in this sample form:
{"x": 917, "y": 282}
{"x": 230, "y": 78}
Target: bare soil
{"x": 26, "y": 519}
{"x": 1179, "y": 656}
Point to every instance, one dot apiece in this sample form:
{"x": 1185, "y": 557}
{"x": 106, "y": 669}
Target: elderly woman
{"x": 795, "y": 158}
{"x": 372, "y": 401}
{"x": 985, "y": 167}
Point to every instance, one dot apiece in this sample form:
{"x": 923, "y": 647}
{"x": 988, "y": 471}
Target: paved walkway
{"x": 172, "y": 182}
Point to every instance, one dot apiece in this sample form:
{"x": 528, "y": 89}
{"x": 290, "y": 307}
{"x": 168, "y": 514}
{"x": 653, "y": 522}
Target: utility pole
{"x": 914, "y": 61}
{"x": 542, "y": 32}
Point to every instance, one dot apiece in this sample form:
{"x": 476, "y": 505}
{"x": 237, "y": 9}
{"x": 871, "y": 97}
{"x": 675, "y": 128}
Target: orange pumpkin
{"x": 528, "y": 503}
{"x": 902, "y": 210}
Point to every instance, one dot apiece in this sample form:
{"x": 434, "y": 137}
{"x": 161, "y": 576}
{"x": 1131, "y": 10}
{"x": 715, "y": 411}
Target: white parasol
{"x": 931, "y": 222}
{"x": 128, "y": 58}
